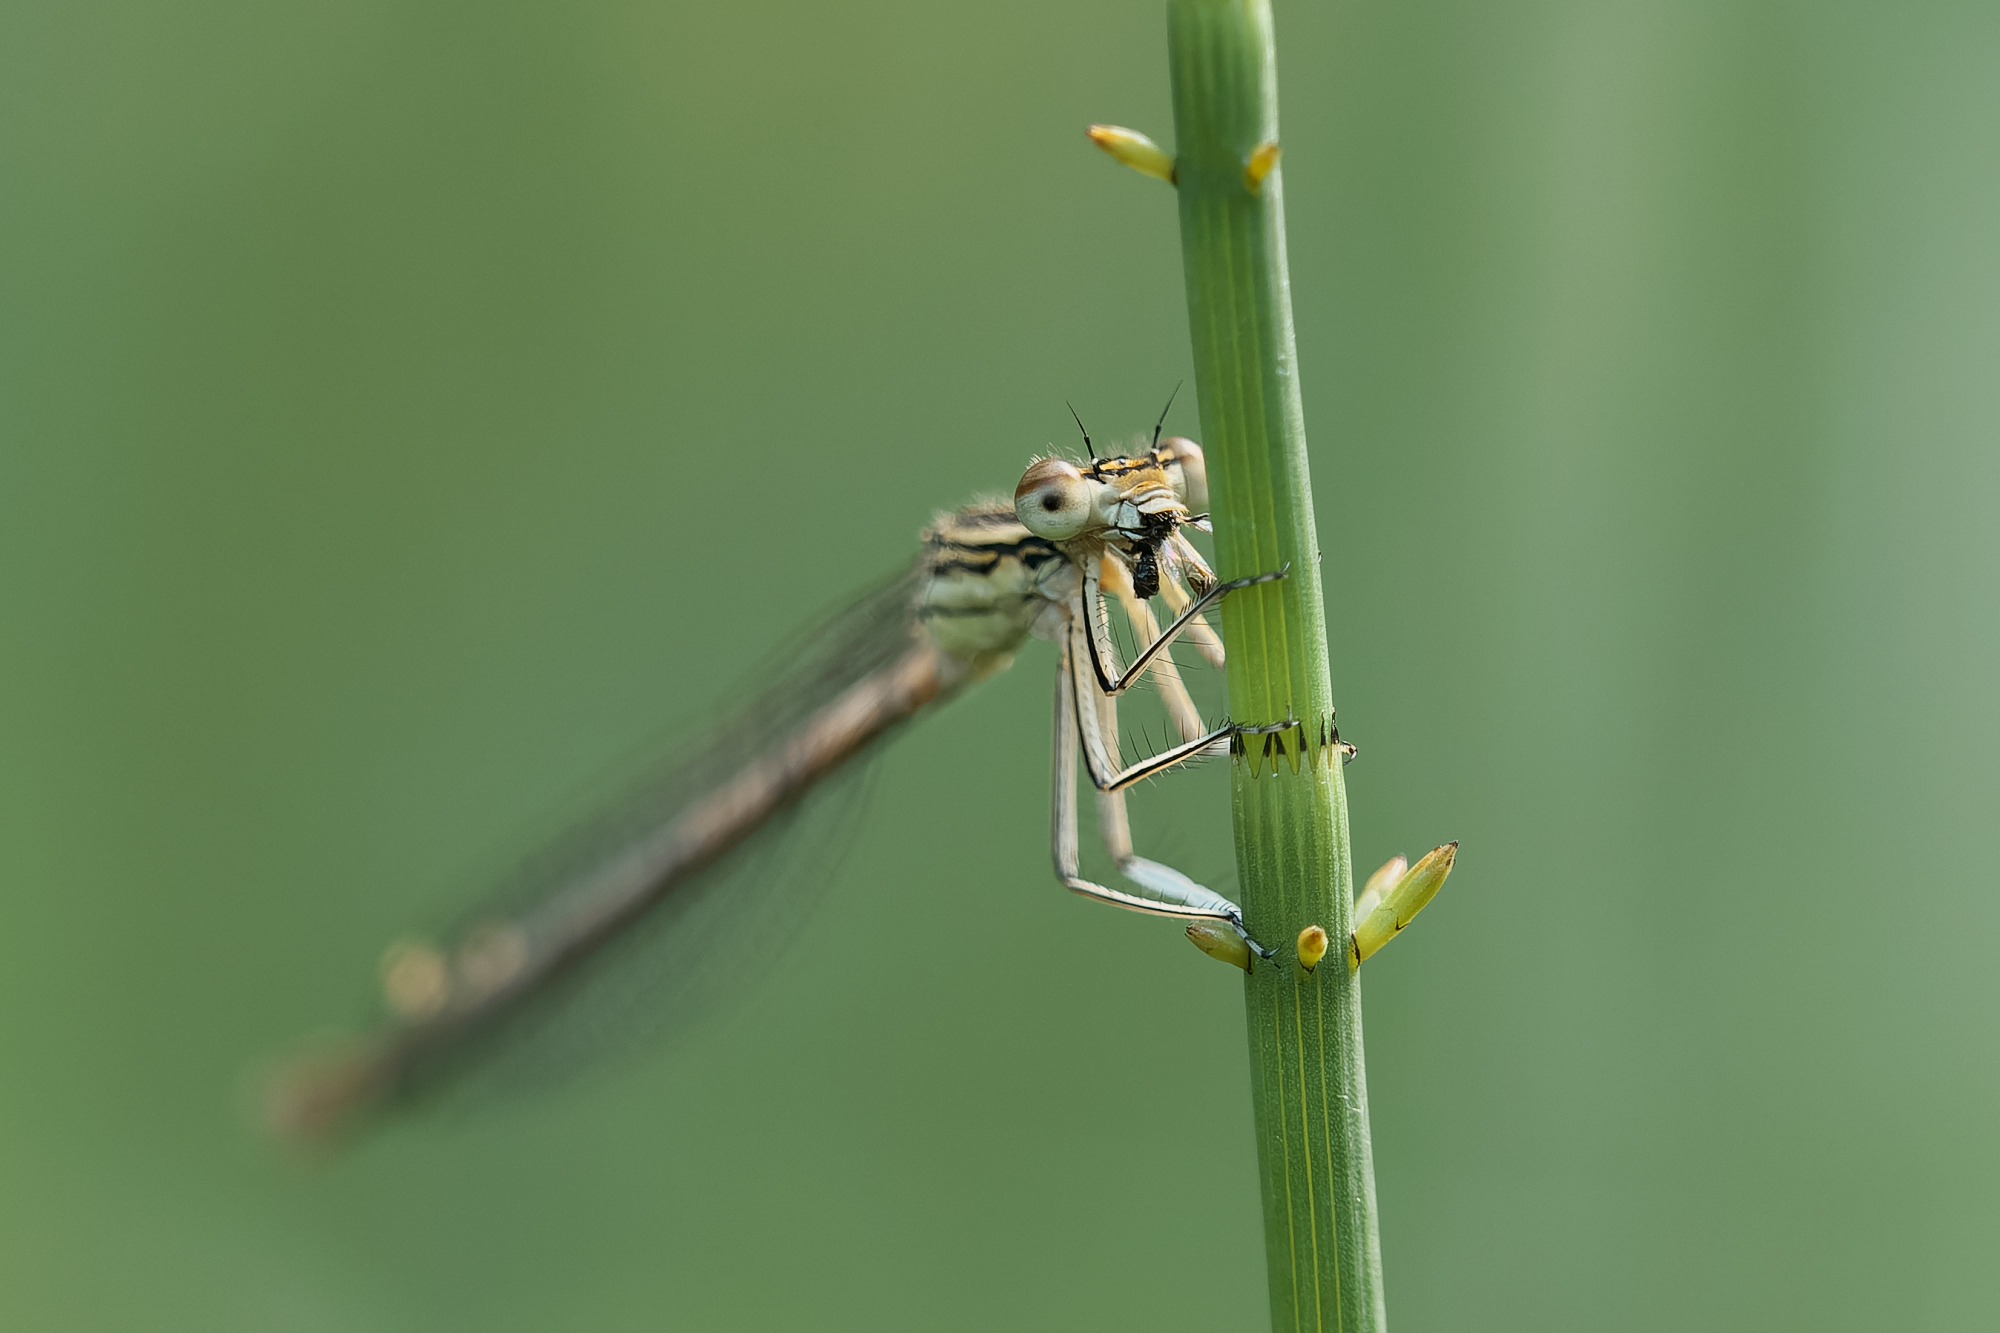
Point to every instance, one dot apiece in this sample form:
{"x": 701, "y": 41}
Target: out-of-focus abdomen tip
{"x": 310, "y": 1100}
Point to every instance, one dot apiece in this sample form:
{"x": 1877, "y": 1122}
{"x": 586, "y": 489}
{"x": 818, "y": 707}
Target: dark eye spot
{"x": 1051, "y": 502}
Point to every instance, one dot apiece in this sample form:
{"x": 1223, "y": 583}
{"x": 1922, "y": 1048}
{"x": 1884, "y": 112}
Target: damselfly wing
{"x": 988, "y": 578}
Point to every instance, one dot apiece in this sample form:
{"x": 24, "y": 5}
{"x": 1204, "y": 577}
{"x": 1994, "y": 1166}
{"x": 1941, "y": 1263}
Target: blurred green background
{"x": 408, "y": 409}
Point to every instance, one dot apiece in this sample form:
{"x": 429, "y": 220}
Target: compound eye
{"x": 1188, "y": 470}
{"x": 1053, "y": 500}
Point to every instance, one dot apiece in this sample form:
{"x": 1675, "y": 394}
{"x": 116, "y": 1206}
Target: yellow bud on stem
{"x": 1135, "y": 150}
{"x": 1312, "y": 947}
{"x": 1219, "y": 939}
{"x": 1263, "y": 160}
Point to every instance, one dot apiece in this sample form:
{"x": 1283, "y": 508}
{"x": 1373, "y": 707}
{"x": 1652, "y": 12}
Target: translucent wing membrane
{"x": 689, "y": 954}
{"x": 617, "y": 924}
{"x": 795, "y": 682}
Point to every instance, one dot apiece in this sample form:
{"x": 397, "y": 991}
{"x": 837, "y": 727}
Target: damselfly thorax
{"x": 989, "y": 578}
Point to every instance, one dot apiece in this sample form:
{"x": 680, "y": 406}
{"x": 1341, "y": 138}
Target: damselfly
{"x": 990, "y": 577}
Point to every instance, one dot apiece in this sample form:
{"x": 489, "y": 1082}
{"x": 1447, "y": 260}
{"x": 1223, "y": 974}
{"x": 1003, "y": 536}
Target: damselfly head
{"x": 1140, "y": 497}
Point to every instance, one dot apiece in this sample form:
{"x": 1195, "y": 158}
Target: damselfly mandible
{"x": 990, "y": 577}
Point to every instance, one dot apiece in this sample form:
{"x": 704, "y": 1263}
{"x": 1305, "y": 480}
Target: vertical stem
{"x": 1290, "y": 806}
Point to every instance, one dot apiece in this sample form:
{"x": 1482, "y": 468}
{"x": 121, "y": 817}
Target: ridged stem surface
{"x": 1290, "y": 806}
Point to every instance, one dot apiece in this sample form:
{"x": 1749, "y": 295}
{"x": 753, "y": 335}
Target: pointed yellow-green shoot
{"x": 1135, "y": 150}
{"x": 1398, "y": 906}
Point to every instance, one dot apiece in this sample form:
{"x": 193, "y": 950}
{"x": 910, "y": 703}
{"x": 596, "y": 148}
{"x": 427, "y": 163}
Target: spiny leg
{"x": 1100, "y": 757}
{"x": 1090, "y": 615}
{"x": 1161, "y": 881}
{"x": 1173, "y": 691}
{"x": 1179, "y": 896}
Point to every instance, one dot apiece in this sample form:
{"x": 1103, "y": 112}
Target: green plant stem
{"x": 1290, "y": 809}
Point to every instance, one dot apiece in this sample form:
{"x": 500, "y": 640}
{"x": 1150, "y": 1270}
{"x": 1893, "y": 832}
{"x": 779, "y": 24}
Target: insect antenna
{"x": 1163, "y": 412}
{"x": 1086, "y": 434}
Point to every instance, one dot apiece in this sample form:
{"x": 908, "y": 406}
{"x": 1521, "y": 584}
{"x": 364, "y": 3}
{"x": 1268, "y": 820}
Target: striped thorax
{"x": 989, "y": 584}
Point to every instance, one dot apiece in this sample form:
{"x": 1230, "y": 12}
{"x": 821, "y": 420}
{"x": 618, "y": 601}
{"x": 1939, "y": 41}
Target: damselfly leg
{"x": 1112, "y": 681}
{"x": 1166, "y": 675}
{"x": 1177, "y": 895}
{"x": 1087, "y": 720}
